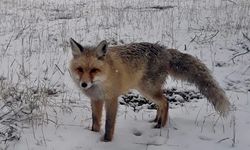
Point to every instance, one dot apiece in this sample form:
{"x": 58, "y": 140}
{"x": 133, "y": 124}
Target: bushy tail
{"x": 188, "y": 68}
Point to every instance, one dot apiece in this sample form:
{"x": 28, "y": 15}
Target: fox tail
{"x": 188, "y": 68}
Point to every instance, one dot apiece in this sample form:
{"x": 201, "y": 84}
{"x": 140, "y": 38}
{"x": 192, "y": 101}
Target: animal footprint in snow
{"x": 137, "y": 132}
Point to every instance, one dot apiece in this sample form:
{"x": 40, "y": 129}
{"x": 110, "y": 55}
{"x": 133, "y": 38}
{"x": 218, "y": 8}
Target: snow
{"x": 35, "y": 53}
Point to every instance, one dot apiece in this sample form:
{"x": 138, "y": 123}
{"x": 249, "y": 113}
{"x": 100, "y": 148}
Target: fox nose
{"x": 84, "y": 85}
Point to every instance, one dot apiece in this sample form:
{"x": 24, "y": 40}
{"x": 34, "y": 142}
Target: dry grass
{"x": 20, "y": 105}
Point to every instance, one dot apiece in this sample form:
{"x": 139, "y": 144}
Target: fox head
{"x": 88, "y": 67}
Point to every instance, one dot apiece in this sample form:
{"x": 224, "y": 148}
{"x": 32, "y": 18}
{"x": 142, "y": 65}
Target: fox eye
{"x": 79, "y": 69}
{"x": 94, "y": 70}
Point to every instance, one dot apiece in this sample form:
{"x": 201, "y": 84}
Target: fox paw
{"x": 157, "y": 126}
{"x": 95, "y": 128}
{"x": 106, "y": 139}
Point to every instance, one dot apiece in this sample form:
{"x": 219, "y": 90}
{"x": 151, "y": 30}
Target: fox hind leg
{"x": 159, "y": 99}
{"x": 162, "y": 111}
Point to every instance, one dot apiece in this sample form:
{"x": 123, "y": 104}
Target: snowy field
{"x": 41, "y": 109}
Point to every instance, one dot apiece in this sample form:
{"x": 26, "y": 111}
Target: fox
{"x": 104, "y": 72}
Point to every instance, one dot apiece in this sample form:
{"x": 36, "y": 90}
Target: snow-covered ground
{"x": 43, "y": 109}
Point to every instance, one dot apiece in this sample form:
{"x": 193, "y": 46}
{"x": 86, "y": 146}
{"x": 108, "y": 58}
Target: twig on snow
{"x": 234, "y": 131}
{"x": 223, "y": 140}
{"x": 59, "y": 69}
{"x": 7, "y": 46}
{"x": 245, "y": 36}
{"x": 231, "y": 1}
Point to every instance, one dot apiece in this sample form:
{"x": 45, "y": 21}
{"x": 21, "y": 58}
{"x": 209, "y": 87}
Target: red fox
{"x": 103, "y": 73}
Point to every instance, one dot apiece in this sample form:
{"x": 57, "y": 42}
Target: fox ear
{"x": 77, "y": 48}
{"x": 101, "y": 49}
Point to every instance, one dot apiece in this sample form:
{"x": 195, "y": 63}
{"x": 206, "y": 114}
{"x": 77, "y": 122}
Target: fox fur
{"x": 103, "y": 73}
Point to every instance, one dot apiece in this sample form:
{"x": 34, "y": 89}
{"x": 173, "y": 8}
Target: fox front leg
{"x": 111, "y": 111}
{"x": 96, "y": 106}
